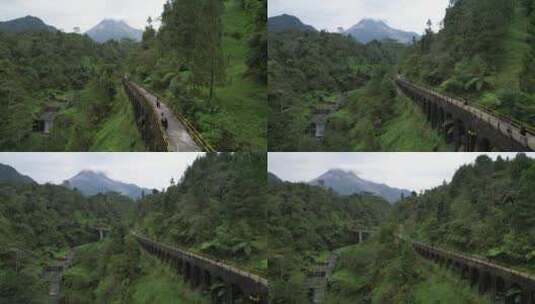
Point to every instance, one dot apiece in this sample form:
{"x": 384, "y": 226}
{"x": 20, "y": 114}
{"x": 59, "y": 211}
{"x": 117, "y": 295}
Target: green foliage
{"x": 66, "y": 72}
{"x": 306, "y": 66}
{"x": 485, "y": 48}
{"x": 218, "y": 208}
{"x": 37, "y": 221}
{"x": 486, "y": 210}
{"x": 389, "y": 271}
{"x": 215, "y": 50}
{"x": 305, "y": 221}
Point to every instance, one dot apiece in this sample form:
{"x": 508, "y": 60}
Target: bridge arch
{"x": 434, "y": 115}
{"x": 485, "y": 284}
{"x": 196, "y": 276}
{"x": 474, "y": 277}
{"x": 441, "y": 119}
{"x": 484, "y": 145}
{"x": 237, "y": 295}
{"x": 179, "y": 265}
{"x": 514, "y": 295}
{"x": 465, "y": 273}
{"x": 207, "y": 280}
{"x": 187, "y": 271}
{"x": 500, "y": 289}
{"x": 460, "y": 136}
{"x": 218, "y": 292}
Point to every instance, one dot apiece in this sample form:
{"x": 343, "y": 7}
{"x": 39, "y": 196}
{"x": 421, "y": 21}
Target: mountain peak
{"x": 339, "y": 174}
{"x": 112, "y": 29}
{"x": 91, "y": 182}
{"x": 347, "y": 182}
{"x": 89, "y": 172}
{"x": 369, "y": 29}
{"x": 365, "y": 21}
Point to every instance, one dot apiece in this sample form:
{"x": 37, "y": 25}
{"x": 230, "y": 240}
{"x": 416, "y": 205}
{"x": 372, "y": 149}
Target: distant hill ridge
{"x": 109, "y": 29}
{"x": 90, "y": 182}
{"x": 286, "y": 22}
{"x": 9, "y": 174}
{"x": 347, "y": 183}
{"x": 26, "y": 24}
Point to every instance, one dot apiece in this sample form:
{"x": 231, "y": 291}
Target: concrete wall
{"x": 462, "y": 128}
{"x": 201, "y": 273}
{"x": 486, "y": 277}
{"x": 147, "y": 120}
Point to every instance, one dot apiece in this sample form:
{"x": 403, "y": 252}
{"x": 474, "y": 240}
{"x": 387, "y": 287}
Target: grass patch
{"x": 242, "y": 100}
{"x": 119, "y": 132}
{"x": 160, "y": 285}
{"x": 515, "y": 49}
{"x": 410, "y": 131}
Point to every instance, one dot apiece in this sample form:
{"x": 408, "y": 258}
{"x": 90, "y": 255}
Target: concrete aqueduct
{"x": 202, "y": 272}
{"x": 467, "y": 127}
{"x": 502, "y": 283}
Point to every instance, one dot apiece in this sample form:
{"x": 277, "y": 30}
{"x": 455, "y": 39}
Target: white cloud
{"x": 66, "y": 14}
{"x": 414, "y": 171}
{"x": 151, "y": 170}
{"x": 410, "y": 15}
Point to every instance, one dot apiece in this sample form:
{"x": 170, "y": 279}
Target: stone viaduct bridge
{"x": 149, "y": 109}
{"x": 203, "y": 272}
{"x": 468, "y": 127}
{"x": 503, "y": 284}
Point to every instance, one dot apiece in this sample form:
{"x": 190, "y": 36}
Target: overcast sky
{"x": 409, "y": 15}
{"x": 413, "y": 171}
{"x": 150, "y": 170}
{"x": 66, "y": 14}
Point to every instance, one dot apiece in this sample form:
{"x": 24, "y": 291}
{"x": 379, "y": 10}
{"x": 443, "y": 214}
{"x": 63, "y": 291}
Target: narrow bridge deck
{"x": 177, "y": 135}
{"x": 502, "y": 124}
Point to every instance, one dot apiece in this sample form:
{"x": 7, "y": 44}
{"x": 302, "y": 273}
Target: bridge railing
{"x": 161, "y": 142}
{"x": 476, "y": 260}
{"x": 192, "y": 131}
{"x": 506, "y": 125}
{"x": 227, "y": 267}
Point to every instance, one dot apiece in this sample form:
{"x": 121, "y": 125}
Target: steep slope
{"x": 26, "y": 24}
{"x": 90, "y": 183}
{"x": 486, "y": 210}
{"x": 272, "y": 178}
{"x": 370, "y": 29}
{"x": 109, "y": 29}
{"x": 347, "y": 183}
{"x": 9, "y": 174}
{"x": 484, "y": 53}
{"x": 286, "y": 22}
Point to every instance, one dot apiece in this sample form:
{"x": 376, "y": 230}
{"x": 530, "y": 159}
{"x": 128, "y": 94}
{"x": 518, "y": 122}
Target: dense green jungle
{"x": 485, "y": 211}
{"x": 216, "y": 209}
{"x": 483, "y": 53}
{"x": 221, "y": 90}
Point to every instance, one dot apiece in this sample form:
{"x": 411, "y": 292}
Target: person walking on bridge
{"x": 157, "y": 102}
